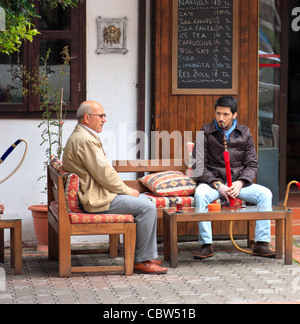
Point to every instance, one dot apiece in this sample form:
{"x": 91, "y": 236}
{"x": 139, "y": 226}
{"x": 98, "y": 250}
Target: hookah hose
{"x": 8, "y": 152}
{"x": 284, "y": 205}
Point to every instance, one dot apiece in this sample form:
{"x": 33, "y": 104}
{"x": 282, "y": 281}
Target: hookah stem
{"x": 227, "y": 165}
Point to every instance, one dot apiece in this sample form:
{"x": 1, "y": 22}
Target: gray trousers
{"x": 145, "y": 215}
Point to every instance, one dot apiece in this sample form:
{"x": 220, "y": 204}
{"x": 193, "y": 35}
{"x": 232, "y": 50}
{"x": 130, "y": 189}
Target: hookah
{"x": 4, "y": 157}
{"x": 234, "y": 203}
{"x": 237, "y": 203}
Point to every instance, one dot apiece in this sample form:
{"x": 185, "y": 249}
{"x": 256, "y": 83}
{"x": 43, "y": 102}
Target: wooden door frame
{"x": 284, "y": 92}
{"x": 142, "y": 8}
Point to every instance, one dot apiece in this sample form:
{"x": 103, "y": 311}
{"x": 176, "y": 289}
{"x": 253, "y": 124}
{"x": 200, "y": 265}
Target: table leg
{"x": 173, "y": 241}
{"x": 289, "y": 238}
{"x": 167, "y": 254}
{"x": 279, "y": 238}
{"x": 1, "y": 245}
{"x": 16, "y": 248}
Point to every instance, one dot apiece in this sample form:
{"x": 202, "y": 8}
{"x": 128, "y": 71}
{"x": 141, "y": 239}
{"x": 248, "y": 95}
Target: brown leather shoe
{"x": 149, "y": 267}
{"x": 207, "y": 251}
{"x": 261, "y": 249}
{"x": 157, "y": 262}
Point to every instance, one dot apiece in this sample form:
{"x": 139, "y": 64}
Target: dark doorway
{"x": 293, "y": 118}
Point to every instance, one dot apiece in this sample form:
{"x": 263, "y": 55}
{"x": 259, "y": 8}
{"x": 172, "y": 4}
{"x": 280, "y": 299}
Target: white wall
{"x": 111, "y": 80}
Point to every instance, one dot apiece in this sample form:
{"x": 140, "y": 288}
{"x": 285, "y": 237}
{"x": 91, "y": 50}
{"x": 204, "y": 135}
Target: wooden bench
{"x": 141, "y": 167}
{"x": 188, "y": 230}
{"x": 64, "y": 224}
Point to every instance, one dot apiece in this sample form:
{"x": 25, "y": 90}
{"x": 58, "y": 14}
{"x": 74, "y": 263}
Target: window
{"x": 59, "y": 28}
{"x": 269, "y": 72}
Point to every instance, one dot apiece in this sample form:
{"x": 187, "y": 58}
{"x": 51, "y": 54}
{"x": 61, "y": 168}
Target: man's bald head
{"x": 87, "y": 107}
{"x": 91, "y": 114}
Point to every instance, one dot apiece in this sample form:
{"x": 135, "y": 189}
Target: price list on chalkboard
{"x": 204, "y": 50}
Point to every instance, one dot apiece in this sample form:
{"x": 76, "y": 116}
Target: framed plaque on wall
{"x": 111, "y": 35}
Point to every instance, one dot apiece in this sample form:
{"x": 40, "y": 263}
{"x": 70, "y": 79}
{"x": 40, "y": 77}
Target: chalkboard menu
{"x": 205, "y": 47}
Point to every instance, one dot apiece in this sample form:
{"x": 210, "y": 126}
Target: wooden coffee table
{"x": 283, "y": 217}
{"x": 15, "y": 226}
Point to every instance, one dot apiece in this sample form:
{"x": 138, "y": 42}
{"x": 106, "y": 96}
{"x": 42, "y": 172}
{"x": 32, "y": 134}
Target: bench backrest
{"x": 63, "y": 187}
{"x": 141, "y": 167}
{"x": 56, "y": 191}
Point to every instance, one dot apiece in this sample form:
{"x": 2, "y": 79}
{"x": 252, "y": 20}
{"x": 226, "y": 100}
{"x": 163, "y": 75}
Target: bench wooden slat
{"x": 149, "y": 165}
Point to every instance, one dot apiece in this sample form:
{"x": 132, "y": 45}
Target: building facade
{"x": 135, "y": 88}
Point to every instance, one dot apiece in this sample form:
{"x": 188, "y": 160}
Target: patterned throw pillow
{"x": 71, "y": 192}
{"x": 169, "y": 184}
{"x": 71, "y": 184}
{"x": 57, "y": 164}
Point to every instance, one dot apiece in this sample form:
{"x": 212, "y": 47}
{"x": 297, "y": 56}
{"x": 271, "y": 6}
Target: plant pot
{"x": 40, "y": 223}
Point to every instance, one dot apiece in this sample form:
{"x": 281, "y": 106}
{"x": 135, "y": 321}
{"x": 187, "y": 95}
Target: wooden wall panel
{"x": 191, "y": 112}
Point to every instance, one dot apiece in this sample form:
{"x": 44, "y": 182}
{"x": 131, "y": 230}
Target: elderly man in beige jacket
{"x": 103, "y": 191}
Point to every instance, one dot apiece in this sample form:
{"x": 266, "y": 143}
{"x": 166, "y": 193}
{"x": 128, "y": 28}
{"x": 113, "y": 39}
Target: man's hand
{"x": 235, "y": 190}
{"x": 232, "y": 192}
{"x": 134, "y": 193}
{"x": 223, "y": 191}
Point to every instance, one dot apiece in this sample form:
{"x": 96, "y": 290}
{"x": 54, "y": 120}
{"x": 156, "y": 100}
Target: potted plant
{"x": 53, "y": 115}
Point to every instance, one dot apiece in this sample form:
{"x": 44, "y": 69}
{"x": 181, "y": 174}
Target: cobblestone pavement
{"x": 229, "y": 277}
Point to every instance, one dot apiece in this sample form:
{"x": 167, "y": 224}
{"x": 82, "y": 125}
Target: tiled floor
{"x": 228, "y": 277}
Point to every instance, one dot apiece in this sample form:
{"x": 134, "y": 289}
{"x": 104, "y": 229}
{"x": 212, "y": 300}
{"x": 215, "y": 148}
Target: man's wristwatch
{"x": 218, "y": 185}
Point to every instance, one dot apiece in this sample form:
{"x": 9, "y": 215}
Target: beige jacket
{"x": 99, "y": 182}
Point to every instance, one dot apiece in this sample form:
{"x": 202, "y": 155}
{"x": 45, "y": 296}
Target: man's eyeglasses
{"x": 100, "y": 116}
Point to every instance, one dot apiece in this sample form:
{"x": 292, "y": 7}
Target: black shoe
{"x": 207, "y": 251}
{"x": 261, "y": 249}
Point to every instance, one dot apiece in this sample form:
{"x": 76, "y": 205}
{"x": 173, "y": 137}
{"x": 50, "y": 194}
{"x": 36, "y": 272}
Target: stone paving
{"x": 229, "y": 277}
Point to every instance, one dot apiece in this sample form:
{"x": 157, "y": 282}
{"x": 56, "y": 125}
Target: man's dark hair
{"x": 227, "y": 102}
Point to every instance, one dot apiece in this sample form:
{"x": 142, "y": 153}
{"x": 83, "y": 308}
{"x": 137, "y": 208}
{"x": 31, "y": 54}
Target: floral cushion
{"x": 81, "y": 218}
{"x": 169, "y": 184}
{"x": 170, "y": 202}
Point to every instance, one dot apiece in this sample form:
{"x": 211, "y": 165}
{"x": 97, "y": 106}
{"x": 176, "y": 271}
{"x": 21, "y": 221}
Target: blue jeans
{"x": 254, "y": 194}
